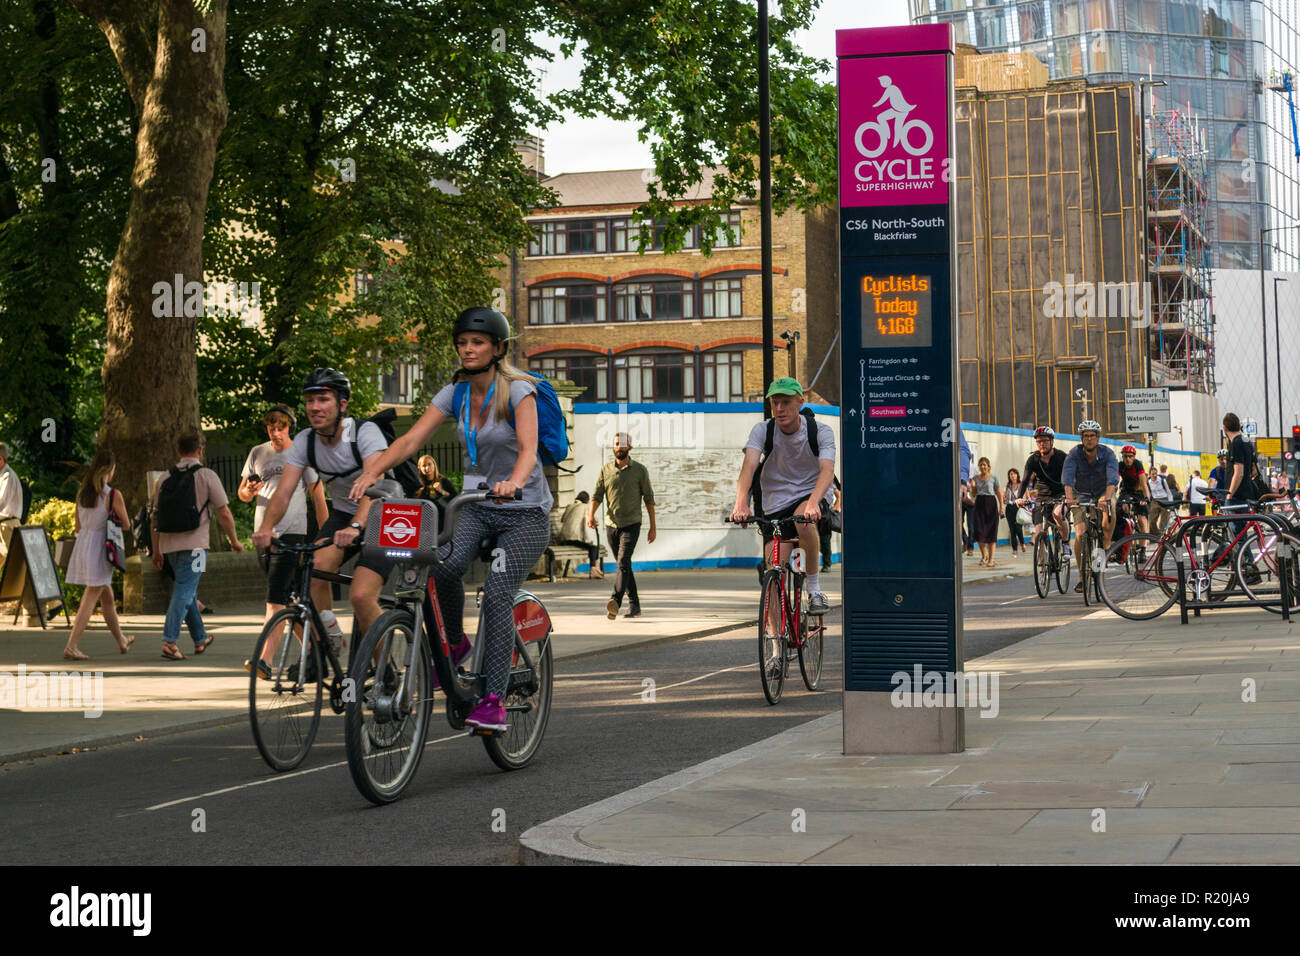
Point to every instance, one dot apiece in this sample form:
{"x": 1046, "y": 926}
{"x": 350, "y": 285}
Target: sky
{"x": 585, "y": 144}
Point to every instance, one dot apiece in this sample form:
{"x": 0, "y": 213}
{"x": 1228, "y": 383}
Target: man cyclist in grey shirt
{"x": 794, "y": 482}
{"x": 326, "y": 394}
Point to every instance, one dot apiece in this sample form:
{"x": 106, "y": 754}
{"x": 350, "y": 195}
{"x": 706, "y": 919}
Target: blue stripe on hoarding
{"x": 1117, "y": 442}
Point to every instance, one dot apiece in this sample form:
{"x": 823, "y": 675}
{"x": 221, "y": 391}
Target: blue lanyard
{"x": 471, "y": 434}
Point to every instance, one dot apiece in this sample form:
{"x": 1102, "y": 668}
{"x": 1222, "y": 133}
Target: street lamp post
{"x": 765, "y": 198}
{"x": 1263, "y": 323}
{"x": 1277, "y": 349}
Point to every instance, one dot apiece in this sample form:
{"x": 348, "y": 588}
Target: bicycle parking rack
{"x": 1284, "y": 555}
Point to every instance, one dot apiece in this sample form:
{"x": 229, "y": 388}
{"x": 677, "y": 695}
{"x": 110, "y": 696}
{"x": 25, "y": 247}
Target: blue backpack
{"x": 552, "y": 440}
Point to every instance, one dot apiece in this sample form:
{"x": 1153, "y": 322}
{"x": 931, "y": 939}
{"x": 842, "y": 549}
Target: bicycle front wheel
{"x": 283, "y": 710}
{"x": 1085, "y": 568}
{"x": 1138, "y": 586}
{"x": 771, "y": 637}
{"x": 1042, "y": 565}
{"x": 387, "y": 715}
{"x": 1064, "y": 561}
{"x": 528, "y": 706}
{"x": 810, "y": 652}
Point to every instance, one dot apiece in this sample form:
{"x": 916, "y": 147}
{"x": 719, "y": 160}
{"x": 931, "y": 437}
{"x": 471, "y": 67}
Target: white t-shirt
{"x": 339, "y": 458}
{"x": 790, "y": 473}
{"x": 1157, "y": 488}
{"x": 268, "y": 464}
{"x": 11, "y": 494}
{"x": 1195, "y": 488}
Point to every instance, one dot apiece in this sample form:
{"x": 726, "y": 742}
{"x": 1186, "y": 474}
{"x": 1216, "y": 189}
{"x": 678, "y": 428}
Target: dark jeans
{"x": 1015, "y": 530}
{"x": 593, "y": 552}
{"x": 622, "y": 542}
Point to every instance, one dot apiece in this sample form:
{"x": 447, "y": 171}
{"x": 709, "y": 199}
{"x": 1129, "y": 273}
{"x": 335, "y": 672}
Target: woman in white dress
{"x": 89, "y": 564}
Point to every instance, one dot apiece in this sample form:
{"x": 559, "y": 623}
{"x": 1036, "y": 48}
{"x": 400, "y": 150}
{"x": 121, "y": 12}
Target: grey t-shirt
{"x": 986, "y": 486}
{"x": 339, "y": 458}
{"x": 498, "y": 448}
{"x": 268, "y": 464}
{"x": 790, "y": 473}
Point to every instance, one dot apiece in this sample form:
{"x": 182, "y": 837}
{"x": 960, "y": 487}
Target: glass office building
{"x": 1221, "y": 60}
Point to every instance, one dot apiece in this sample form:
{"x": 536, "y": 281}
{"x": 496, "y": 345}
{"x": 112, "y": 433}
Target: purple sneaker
{"x": 458, "y": 653}
{"x": 490, "y": 714}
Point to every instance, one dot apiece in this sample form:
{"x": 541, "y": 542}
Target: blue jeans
{"x": 183, "y": 604}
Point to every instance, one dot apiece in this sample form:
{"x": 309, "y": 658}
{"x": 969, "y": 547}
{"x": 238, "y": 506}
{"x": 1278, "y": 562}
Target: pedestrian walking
{"x": 181, "y": 508}
{"x": 988, "y": 506}
{"x": 89, "y": 565}
{"x": 11, "y": 501}
{"x": 1015, "y": 530}
{"x": 626, "y": 483}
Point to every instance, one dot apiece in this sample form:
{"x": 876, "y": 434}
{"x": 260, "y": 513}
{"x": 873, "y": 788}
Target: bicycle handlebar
{"x": 760, "y": 521}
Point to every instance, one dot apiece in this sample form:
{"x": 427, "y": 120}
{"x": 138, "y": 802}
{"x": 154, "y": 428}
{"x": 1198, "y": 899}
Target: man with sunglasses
{"x": 1043, "y": 472}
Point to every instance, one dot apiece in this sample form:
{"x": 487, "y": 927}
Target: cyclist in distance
{"x": 793, "y": 480}
{"x": 1090, "y": 469}
{"x": 326, "y": 393}
{"x": 1133, "y": 481}
{"x": 1043, "y": 473}
{"x": 498, "y": 425}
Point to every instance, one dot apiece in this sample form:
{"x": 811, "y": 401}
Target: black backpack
{"x": 177, "y": 511}
{"x": 756, "y": 487}
{"x": 405, "y": 472}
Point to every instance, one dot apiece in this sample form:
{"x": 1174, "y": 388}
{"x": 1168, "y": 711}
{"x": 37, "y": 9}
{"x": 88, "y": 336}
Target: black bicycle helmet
{"x": 323, "y": 378}
{"x": 480, "y": 319}
{"x": 1044, "y": 431}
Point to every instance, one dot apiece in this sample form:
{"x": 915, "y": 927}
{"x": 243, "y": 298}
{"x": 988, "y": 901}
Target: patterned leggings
{"x": 522, "y": 536}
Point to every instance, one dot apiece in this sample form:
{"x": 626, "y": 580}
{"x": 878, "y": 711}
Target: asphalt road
{"x": 143, "y": 803}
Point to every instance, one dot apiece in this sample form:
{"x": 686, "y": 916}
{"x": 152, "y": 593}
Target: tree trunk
{"x": 150, "y": 373}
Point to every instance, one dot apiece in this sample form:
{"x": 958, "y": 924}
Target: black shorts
{"x": 1137, "y": 507}
{"x": 280, "y": 567}
{"x": 786, "y": 529}
{"x": 337, "y": 521}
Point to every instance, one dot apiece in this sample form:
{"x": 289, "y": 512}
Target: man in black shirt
{"x": 1241, "y": 458}
{"x": 1043, "y": 472}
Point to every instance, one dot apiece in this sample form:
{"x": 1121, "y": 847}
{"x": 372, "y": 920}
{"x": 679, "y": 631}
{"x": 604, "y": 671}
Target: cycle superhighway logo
{"x": 946, "y": 689}
{"x": 894, "y": 131}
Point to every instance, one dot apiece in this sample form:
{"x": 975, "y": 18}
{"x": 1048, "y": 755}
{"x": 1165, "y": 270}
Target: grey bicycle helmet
{"x": 1044, "y": 431}
{"x": 480, "y": 319}
{"x": 1088, "y": 425}
{"x": 328, "y": 378}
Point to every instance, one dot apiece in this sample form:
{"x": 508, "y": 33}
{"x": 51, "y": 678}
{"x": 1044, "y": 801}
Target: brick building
{"x": 664, "y": 328}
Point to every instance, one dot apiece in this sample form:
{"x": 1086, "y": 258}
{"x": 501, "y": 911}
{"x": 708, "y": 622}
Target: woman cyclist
{"x": 498, "y": 426}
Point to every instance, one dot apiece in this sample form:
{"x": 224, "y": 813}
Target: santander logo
{"x": 399, "y": 526}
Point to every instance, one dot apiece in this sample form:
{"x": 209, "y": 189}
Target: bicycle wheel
{"x": 771, "y": 637}
{"x": 285, "y": 712}
{"x": 810, "y": 652}
{"x": 1085, "y": 568}
{"x": 387, "y": 718}
{"x": 1064, "y": 562}
{"x": 1134, "y": 587}
{"x": 528, "y": 707}
{"x": 1260, "y": 574}
{"x": 1043, "y": 565}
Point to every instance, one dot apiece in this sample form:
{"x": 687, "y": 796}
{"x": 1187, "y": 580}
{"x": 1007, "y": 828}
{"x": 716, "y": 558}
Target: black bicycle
{"x": 288, "y": 677}
{"x": 1051, "y": 552}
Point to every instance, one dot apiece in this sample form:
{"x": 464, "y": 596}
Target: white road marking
{"x": 284, "y": 776}
{"x": 701, "y": 677}
{"x": 1018, "y": 600}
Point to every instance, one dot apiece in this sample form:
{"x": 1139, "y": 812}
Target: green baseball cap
{"x": 785, "y": 386}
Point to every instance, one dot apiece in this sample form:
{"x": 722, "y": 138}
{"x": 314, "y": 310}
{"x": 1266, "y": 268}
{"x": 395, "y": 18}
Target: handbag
{"x": 1023, "y": 517}
{"x": 114, "y": 544}
{"x": 837, "y": 521}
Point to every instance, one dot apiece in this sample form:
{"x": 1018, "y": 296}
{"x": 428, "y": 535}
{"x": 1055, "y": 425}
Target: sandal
{"x": 200, "y": 648}
{"x": 74, "y": 655}
{"x": 172, "y": 652}
{"x": 127, "y": 646}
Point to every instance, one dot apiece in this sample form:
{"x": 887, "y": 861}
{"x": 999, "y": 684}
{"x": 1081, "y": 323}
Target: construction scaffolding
{"x": 1181, "y": 335}
{"x": 1049, "y": 249}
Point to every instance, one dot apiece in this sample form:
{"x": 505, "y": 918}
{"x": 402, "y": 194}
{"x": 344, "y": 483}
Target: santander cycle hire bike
{"x": 386, "y": 719}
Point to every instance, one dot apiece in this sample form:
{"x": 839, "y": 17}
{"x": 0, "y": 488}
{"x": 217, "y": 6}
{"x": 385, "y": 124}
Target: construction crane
{"x": 1286, "y": 87}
